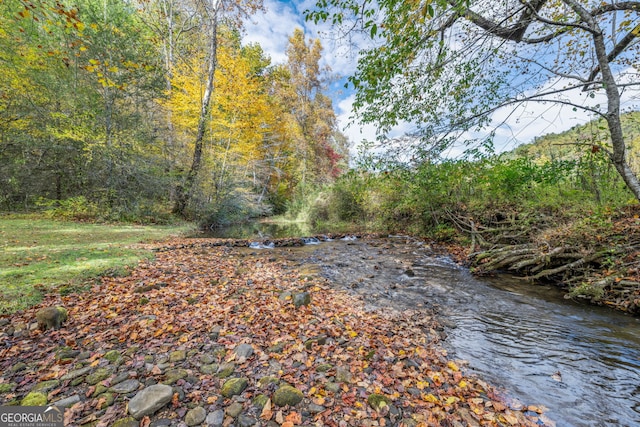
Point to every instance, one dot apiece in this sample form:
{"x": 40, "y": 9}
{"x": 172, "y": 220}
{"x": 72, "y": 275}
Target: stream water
{"x": 580, "y": 362}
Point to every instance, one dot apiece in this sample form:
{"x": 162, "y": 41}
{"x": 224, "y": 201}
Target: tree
{"x": 317, "y": 145}
{"x": 447, "y": 65}
{"x": 210, "y": 12}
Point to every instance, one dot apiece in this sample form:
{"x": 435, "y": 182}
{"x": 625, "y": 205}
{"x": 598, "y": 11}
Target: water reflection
{"x": 260, "y": 230}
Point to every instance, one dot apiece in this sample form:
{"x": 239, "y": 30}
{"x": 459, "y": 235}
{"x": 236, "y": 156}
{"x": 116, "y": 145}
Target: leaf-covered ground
{"x": 182, "y": 320}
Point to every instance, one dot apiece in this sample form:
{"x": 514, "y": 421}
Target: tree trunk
{"x": 184, "y": 191}
{"x": 618, "y": 154}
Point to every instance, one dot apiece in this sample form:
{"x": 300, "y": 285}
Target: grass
{"x": 40, "y": 255}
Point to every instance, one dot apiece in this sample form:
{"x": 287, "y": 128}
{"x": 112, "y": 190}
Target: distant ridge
{"x": 567, "y": 145}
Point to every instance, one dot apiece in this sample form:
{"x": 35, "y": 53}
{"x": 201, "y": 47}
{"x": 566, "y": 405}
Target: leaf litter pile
{"x": 216, "y": 335}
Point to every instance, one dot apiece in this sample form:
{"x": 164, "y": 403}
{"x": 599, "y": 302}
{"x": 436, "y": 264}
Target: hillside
{"x": 563, "y": 145}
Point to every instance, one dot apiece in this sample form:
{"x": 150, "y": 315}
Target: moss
{"x": 287, "y": 395}
{"x": 260, "y": 400}
{"x": 99, "y": 375}
{"x": 113, "y": 356}
{"x": 234, "y": 386}
{"x": 5, "y": 388}
{"x": 34, "y": 399}
{"x": 378, "y": 401}
{"x": 126, "y": 422}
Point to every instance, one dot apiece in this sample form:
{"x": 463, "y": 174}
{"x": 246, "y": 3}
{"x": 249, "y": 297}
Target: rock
{"x": 162, "y": 422}
{"x": 276, "y": 348}
{"x": 234, "y": 386}
{"x": 173, "y": 375}
{"x": 113, "y": 356}
{"x": 265, "y": 381}
{"x": 84, "y": 355}
{"x": 287, "y": 395}
{"x": 219, "y": 352}
{"x": 245, "y": 420}
{"x": 209, "y": 369}
{"x": 7, "y": 387}
{"x": 105, "y": 400}
{"x": 67, "y": 353}
{"x": 317, "y": 340}
{"x": 303, "y": 298}
{"x": 67, "y": 402}
{"x": 215, "y": 418}
{"x": 315, "y": 409}
{"x": 325, "y": 367}
{"x": 225, "y": 370}
{"x": 132, "y": 350}
{"x": 4, "y": 322}
{"x": 76, "y": 373}
{"x": 125, "y": 387}
{"x": 34, "y": 399}
{"x": 378, "y": 401}
{"x": 149, "y": 400}
{"x": 343, "y": 375}
{"x": 234, "y": 409}
{"x": 100, "y": 388}
{"x": 123, "y": 376}
{"x": 286, "y": 295}
{"x": 126, "y": 422}
{"x": 215, "y": 332}
{"x": 20, "y": 366}
{"x": 51, "y": 317}
{"x": 333, "y": 387}
{"x": 207, "y": 359}
{"x": 177, "y": 356}
{"x": 100, "y": 374}
{"x": 45, "y": 386}
{"x": 260, "y": 400}
{"x": 244, "y": 350}
{"x": 77, "y": 381}
{"x": 195, "y": 416}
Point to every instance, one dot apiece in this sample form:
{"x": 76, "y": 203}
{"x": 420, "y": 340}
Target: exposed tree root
{"x": 602, "y": 267}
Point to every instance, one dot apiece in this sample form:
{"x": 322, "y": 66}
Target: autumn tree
{"x": 240, "y": 119}
{"x": 79, "y": 103}
{"x": 209, "y": 13}
{"x": 319, "y": 148}
{"x": 448, "y": 65}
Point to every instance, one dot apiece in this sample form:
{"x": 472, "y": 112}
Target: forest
{"x": 140, "y": 111}
{"x": 497, "y": 287}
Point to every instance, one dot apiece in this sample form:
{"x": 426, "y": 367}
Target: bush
{"x": 74, "y": 208}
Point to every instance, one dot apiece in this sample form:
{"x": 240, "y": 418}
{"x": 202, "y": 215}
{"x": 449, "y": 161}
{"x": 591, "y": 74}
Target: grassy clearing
{"x": 39, "y": 255}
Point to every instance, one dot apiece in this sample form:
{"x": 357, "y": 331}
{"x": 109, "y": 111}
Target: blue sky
{"x": 272, "y": 29}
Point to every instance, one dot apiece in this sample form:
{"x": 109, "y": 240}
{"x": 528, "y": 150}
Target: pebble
{"x": 126, "y": 387}
{"x": 215, "y": 418}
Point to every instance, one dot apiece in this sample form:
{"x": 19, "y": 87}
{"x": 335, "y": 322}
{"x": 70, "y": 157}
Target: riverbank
{"x": 594, "y": 258}
{"x": 235, "y": 335}
{"x": 39, "y": 255}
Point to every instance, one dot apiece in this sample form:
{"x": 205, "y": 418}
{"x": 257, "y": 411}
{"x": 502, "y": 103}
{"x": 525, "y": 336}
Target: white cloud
{"x": 272, "y": 28}
{"x": 512, "y": 125}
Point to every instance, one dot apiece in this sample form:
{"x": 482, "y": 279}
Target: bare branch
{"x": 617, "y": 50}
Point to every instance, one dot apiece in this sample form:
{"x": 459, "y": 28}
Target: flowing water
{"x": 580, "y": 362}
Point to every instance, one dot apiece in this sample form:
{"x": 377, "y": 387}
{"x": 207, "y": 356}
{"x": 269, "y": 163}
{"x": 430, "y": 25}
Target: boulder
{"x": 234, "y": 386}
{"x": 150, "y": 400}
{"x": 287, "y": 395}
{"x": 195, "y": 416}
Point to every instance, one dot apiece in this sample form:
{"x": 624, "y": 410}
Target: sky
{"x": 272, "y": 29}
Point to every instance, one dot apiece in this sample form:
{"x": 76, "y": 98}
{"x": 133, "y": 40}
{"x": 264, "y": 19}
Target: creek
{"x": 579, "y": 361}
